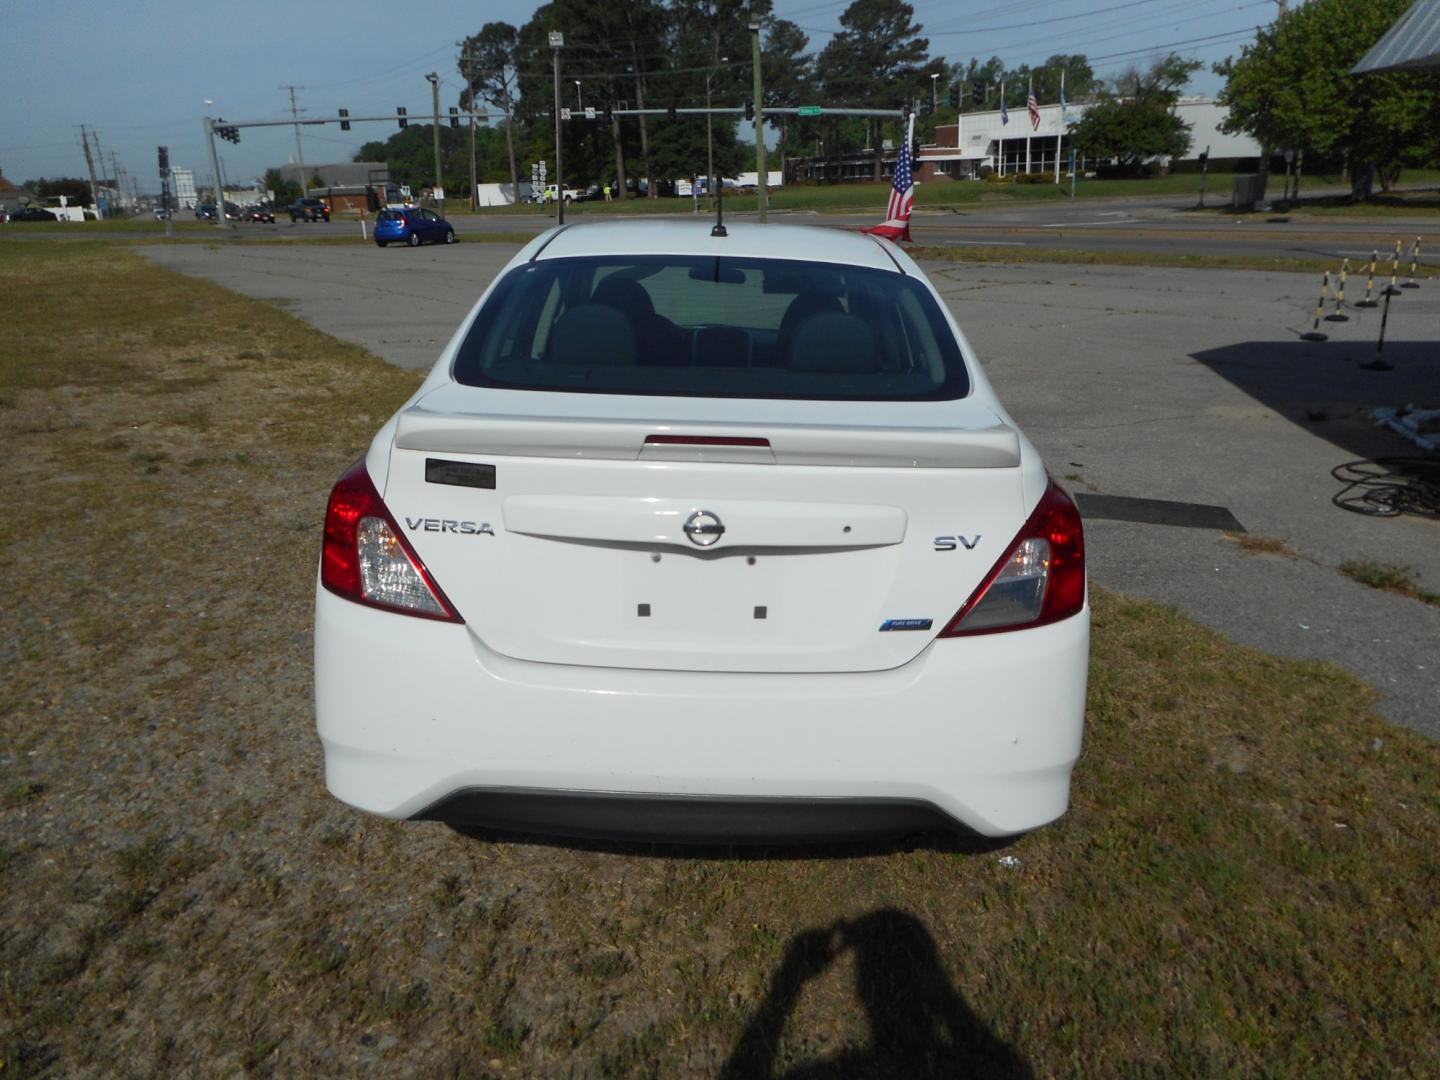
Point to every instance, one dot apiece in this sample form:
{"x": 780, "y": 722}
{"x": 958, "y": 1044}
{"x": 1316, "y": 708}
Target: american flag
{"x": 1034, "y": 107}
{"x": 902, "y": 194}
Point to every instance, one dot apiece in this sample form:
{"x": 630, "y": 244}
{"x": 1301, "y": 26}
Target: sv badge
{"x": 949, "y": 543}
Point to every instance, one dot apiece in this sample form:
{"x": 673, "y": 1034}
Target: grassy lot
{"x": 1248, "y": 882}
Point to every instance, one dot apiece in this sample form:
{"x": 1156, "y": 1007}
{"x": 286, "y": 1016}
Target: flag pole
{"x": 1003, "y": 121}
{"x": 1028, "y": 100}
{"x": 1061, "y": 133}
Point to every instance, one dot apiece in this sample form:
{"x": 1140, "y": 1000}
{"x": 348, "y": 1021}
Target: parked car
{"x": 260, "y": 213}
{"x": 412, "y": 225}
{"x": 571, "y": 194}
{"x": 309, "y": 210}
{"x": 233, "y": 212}
{"x": 33, "y": 213}
{"x": 205, "y": 211}
{"x": 707, "y": 538}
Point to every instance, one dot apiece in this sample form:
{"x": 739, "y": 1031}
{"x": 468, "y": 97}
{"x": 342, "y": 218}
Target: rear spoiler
{"x": 993, "y": 447}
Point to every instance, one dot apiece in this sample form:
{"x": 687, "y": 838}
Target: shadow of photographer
{"x": 920, "y": 1026}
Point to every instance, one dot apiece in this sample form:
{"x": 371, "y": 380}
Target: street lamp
{"x": 579, "y": 105}
{"x": 557, "y": 42}
{"x": 709, "y": 138}
{"x": 933, "y": 77}
{"x": 434, "y": 80}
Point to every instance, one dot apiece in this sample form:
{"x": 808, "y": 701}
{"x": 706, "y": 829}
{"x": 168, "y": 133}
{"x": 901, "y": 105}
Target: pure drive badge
{"x": 905, "y": 624}
{"x": 464, "y": 528}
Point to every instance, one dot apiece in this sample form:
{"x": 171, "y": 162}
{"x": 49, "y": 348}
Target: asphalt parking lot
{"x": 1182, "y": 385}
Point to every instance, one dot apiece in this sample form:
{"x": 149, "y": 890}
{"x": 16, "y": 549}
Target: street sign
{"x": 564, "y": 114}
{"x": 589, "y": 113}
{"x": 808, "y": 110}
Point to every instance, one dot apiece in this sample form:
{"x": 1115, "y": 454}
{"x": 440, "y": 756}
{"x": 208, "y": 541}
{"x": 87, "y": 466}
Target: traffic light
{"x": 979, "y": 91}
{"x": 750, "y": 110}
{"x": 344, "y": 123}
{"x": 164, "y": 161}
{"x": 454, "y": 116}
{"x": 226, "y": 131}
{"x": 672, "y": 111}
{"x": 400, "y": 115}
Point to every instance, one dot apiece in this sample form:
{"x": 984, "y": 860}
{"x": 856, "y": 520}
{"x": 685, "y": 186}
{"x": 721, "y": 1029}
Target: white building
{"x": 182, "y": 187}
{"x": 982, "y": 139}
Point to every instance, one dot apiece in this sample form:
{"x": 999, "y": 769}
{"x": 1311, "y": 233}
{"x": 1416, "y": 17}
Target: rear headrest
{"x": 625, "y": 295}
{"x": 801, "y": 308}
{"x": 833, "y": 341}
{"x": 591, "y": 334}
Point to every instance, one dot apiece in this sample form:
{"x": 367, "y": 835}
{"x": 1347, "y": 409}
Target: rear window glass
{"x": 713, "y": 327}
{"x": 391, "y": 215}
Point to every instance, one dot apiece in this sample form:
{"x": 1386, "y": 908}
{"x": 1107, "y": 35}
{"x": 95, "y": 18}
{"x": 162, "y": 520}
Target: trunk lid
{"x": 812, "y": 526}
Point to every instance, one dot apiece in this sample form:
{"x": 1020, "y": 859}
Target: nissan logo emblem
{"x": 703, "y": 528}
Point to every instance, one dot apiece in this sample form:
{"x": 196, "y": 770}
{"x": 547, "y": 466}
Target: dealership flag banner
{"x": 902, "y": 194}
{"x": 1034, "y": 107}
{"x": 1004, "y": 112}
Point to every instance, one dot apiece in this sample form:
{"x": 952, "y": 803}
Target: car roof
{"x": 744, "y": 240}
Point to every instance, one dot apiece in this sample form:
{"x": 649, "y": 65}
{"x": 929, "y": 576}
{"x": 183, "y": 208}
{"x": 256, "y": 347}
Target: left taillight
{"x": 1040, "y": 579}
{"x": 365, "y": 557}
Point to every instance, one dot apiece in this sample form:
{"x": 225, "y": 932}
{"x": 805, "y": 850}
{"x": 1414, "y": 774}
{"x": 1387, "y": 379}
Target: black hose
{"x": 1389, "y": 487}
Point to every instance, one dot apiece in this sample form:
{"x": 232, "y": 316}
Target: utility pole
{"x": 644, "y": 135}
{"x": 709, "y": 137}
{"x": 434, "y": 80}
{"x": 557, "y": 42}
{"x": 762, "y": 188}
{"x": 1265, "y": 148}
{"x": 215, "y": 171}
{"x": 90, "y": 165}
{"x": 299, "y": 150}
{"x": 467, "y": 58}
{"x": 119, "y": 182}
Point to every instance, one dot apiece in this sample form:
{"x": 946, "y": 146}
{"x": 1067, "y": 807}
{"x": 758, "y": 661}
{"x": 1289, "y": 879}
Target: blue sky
{"x": 139, "y": 73}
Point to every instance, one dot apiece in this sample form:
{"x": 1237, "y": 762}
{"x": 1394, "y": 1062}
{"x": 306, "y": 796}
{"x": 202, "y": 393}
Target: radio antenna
{"x": 719, "y": 229}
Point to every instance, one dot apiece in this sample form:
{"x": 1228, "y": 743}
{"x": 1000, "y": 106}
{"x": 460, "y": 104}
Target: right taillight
{"x": 365, "y": 557}
{"x": 1040, "y": 579}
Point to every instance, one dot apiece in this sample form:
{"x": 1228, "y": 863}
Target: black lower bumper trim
{"x": 695, "y": 819}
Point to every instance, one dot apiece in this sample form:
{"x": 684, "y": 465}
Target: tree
{"x": 788, "y": 72}
{"x": 286, "y": 191}
{"x": 409, "y": 155}
{"x": 1141, "y": 125}
{"x": 487, "y": 63}
{"x": 879, "y": 59}
{"x": 1293, "y": 88}
{"x": 75, "y": 190}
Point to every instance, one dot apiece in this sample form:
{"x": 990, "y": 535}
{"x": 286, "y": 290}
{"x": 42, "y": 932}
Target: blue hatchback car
{"x": 412, "y": 226}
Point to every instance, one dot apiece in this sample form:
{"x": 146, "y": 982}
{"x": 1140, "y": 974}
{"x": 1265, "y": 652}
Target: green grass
{"x": 1389, "y": 578}
{"x": 1247, "y": 883}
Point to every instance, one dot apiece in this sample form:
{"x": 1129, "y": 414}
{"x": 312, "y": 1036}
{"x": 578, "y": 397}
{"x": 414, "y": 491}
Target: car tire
{"x": 413, "y": 239}
{"x": 449, "y": 236}
{"x": 381, "y": 243}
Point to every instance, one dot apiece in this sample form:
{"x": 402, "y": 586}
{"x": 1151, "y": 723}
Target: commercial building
{"x": 1009, "y": 143}
{"x": 182, "y": 188}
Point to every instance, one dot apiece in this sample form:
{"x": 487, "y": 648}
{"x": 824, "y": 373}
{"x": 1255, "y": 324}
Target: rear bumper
{"x": 420, "y": 718}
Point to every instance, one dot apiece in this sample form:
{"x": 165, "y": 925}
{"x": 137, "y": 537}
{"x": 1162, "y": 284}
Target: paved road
{"x": 1167, "y": 224}
{"x": 1162, "y": 384}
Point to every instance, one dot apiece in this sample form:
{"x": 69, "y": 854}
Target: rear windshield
{"x": 391, "y": 215}
{"x": 713, "y": 327}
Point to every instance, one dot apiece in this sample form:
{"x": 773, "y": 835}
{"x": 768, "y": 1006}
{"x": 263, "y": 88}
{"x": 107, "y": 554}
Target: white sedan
{"x": 703, "y": 537}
